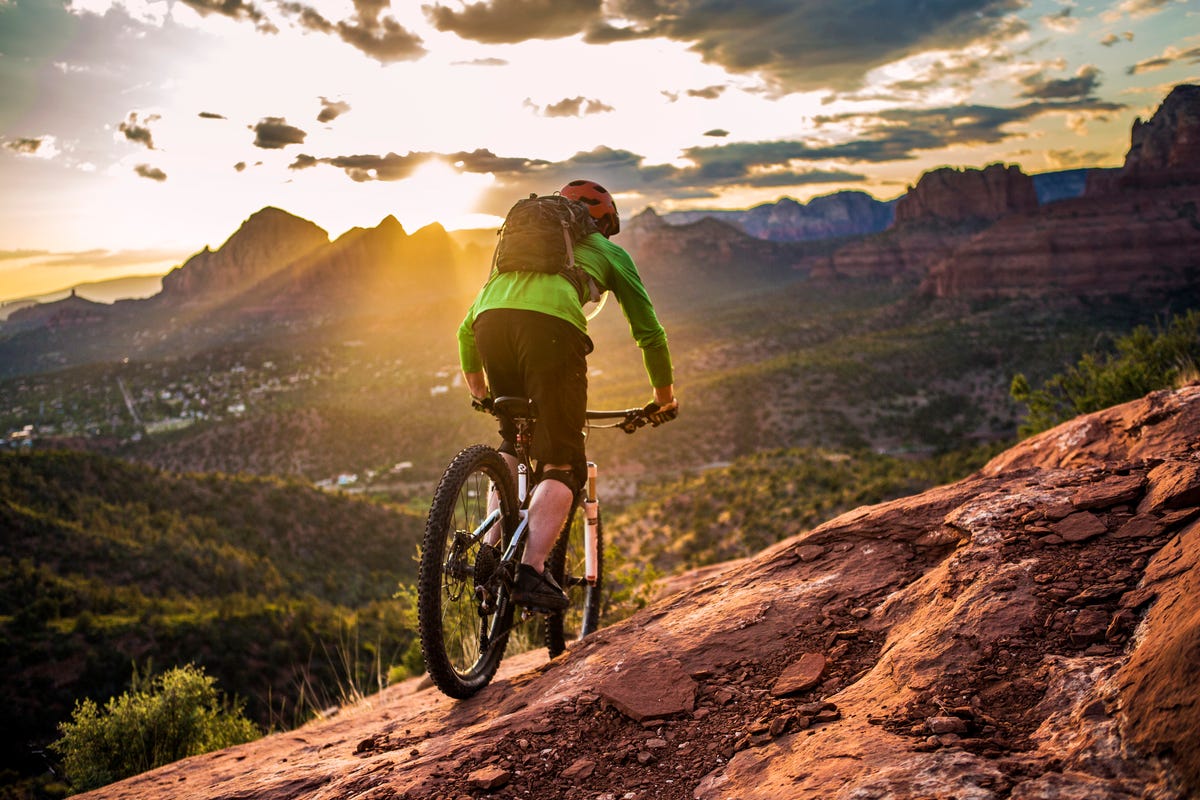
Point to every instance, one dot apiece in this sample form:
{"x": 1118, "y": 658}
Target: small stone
{"x": 1090, "y": 626}
{"x": 1058, "y": 511}
{"x": 580, "y": 770}
{"x": 810, "y": 552}
{"x": 644, "y": 757}
{"x": 1121, "y": 622}
{"x": 860, "y": 612}
{"x": 828, "y": 715}
{"x": 779, "y": 725}
{"x": 943, "y": 725}
{"x": 655, "y": 744}
{"x": 812, "y": 709}
{"x": 489, "y": 778}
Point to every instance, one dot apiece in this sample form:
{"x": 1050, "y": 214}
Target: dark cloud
{"x": 235, "y": 10}
{"x": 894, "y": 135}
{"x": 307, "y": 17}
{"x": 138, "y": 131}
{"x": 1111, "y": 39}
{"x": 304, "y": 161}
{"x": 274, "y": 133}
{"x": 813, "y": 44}
{"x": 1169, "y": 56}
{"x": 1082, "y": 85}
{"x": 707, "y": 93}
{"x": 483, "y": 161}
{"x": 511, "y": 21}
{"x": 799, "y": 45}
{"x": 717, "y": 132}
{"x": 25, "y": 147}
{"x": 210, "y": 115}
{"x": 332, "y": 109}
{"x": 378, "y": 36}
{"x": 383, "y": 39}
{"x": 239, "y": 166}
{"x": 362, "y": 168}
{"x": 571, "y": 107}
{"x": 898, "y": 134}
{"x": 152, "y": 173}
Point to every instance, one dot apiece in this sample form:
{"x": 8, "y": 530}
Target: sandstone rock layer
{"x": 1028, "y": 632}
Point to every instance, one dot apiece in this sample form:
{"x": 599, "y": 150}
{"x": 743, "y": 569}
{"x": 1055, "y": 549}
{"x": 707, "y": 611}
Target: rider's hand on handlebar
{"x": 657, "y": 414}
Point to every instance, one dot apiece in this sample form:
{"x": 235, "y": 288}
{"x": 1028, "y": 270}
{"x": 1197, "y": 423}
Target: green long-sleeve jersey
{"x": 613, "y": 270}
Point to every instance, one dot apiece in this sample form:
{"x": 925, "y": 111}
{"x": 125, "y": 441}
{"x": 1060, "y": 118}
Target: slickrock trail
{"x": 1031, "y": 631}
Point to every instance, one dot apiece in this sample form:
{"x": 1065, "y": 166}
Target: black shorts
{"x": 536, "y": 355}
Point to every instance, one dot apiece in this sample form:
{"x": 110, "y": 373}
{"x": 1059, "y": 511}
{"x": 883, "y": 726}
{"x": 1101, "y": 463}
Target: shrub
{"x": 174, "y": 715}
{"x": 1143, "y": 361}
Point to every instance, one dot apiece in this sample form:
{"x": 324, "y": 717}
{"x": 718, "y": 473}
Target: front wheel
{"x": 465, "y": 618}
{"x": 566, "y": 564}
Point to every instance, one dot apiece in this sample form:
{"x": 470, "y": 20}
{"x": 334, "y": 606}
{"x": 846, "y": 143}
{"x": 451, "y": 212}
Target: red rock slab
{"x": 1080, "y": 527}
{"x": 1109, "y": 493}
{"x": 1172, "y": 485}
{"x": 653, "y": 687}
{"x": 801, "y": 676}
{"x": 1143, "y": 526}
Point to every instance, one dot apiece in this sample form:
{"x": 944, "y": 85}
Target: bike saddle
{"x": 515, "y": 407}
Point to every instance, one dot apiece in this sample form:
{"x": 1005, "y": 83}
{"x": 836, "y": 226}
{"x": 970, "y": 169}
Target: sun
{"x": 435, "y": 192}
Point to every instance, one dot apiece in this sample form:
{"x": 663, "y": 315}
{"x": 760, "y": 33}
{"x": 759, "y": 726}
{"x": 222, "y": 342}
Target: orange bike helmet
{"x": 599, "y": 202}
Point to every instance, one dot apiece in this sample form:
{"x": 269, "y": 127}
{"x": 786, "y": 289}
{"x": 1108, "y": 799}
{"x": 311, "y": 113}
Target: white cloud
{"x": 1137, "y": 9}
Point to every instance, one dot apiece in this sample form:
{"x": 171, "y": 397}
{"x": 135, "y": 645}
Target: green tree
{"x": 177, "y": 714}
{"x": 1142, "y": 362}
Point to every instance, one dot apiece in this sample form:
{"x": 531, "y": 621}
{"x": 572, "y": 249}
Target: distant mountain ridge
{"x": 848, "y": 213}
{"x": 956, "y": 232}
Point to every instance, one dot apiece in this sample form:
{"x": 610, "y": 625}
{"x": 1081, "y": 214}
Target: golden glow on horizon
{"x": 435, "y": 192}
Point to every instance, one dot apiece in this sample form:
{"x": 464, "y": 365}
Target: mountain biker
{"x": 526, "y": 336}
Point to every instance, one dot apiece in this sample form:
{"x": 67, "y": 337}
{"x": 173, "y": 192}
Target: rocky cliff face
{"x": 1128, "y": 243}
{"x": 942, "y": 212}
{"x": 967, "y": 195}
{"x": 264, "y": 244}
{"x": 1135, "y": 231}
{"x": 1165, "y": 150}
{"x": 1028, "y": 632}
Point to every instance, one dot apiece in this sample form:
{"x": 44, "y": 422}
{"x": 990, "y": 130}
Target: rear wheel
{"x": 464, "y": 618}
{"x": 566, "y": 564}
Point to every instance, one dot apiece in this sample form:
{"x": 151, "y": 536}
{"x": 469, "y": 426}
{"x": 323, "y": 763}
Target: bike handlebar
{"x": 628, "y": 420}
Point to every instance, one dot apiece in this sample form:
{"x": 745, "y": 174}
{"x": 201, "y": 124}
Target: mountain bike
{"x": 474, "y": 538}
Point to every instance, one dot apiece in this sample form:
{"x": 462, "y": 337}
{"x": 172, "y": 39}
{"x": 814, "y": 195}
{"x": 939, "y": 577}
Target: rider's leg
{"x": 548, "y": 510}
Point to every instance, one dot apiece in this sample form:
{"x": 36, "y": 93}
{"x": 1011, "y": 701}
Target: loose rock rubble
{"x": 1028, "y": 632}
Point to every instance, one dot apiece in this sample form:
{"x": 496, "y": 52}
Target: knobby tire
{"x": 462, "y": 647}
{"x": 566, "y": 564}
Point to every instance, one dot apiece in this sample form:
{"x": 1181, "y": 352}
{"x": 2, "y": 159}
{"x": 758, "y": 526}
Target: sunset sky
{"x": 134, "y": 133}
